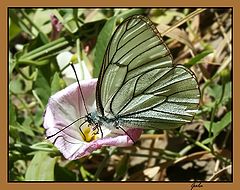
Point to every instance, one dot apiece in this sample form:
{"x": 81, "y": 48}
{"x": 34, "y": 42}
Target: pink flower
{"x": 66, "y": 107}
{"x": 56, "y": 27}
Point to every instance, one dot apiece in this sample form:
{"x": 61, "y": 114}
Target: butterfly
{"x": 138, "y": 85}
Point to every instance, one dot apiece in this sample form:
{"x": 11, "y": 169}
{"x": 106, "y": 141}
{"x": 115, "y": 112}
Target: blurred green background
{"x": 200, "y": 39}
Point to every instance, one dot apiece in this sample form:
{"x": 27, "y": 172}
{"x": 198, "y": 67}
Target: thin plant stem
{"x": 46, "y": 51}
{"x": 197, "y": 143}
{"x": 103, "y": 164}
{"x": 75, "y": 17}
{"x": 25, "y": 76}
{"x": 25, "y": 15}
{"x": 24, "y": 104}
{"x": 183, "y": 20}
{"x": 38, "y": 99}
{"x": 219, "y": 173}
{"x": 44, "y": 47}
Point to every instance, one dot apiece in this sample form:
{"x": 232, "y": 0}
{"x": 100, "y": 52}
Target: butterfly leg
{"x": 101, "y": 131}
{"x": 84, "y": 136}
{"x": 80, "y": 129}
{"x": 97, "y": 126}
{"x": 119, "y": 127}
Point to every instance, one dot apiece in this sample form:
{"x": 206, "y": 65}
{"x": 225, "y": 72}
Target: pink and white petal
{"x": 118, "y": 141}
{"x": 65, "y": 107}
{"x": 73, "y": 149}
{"x": 68, "y": 103}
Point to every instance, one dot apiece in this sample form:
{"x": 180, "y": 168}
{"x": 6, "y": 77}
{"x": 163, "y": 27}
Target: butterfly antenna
{"x": 80, "y": 129}
{"x": 79, "y": 88}
{"x": 48, "y": 137}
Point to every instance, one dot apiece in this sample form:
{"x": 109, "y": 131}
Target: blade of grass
{"x": 196, "y": 60}
{"x": 25, "y": 15}
{"x": 181, "y": 21}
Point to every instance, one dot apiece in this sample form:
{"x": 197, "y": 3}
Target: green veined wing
{"x": 138, "y": 82}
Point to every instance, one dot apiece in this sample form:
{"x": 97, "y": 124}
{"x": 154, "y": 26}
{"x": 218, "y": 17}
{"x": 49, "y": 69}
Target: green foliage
{"x": 217, "y": 127}
{"x": 102, "y": 42}
{"x": 203, "y": 44}
{"x": 42, "y": 88}
{"x": 198, "y": 57}
{"x": 41, "y": 168}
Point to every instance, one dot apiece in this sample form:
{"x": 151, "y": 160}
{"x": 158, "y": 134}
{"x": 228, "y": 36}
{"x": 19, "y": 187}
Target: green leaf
{"x": 207, "y": 140}
{"x": 64, "y": 174}
{"x": 22, "y": 128}
{"x": 23, "y": 82}
{"x": 196, "y": 60}
{"x": 72, "y": 26}
{"x": 38, "y": 118}
{"x": 215, "y": 90}
{"x": 14, "y": 15}
{"x": 165, "y": 16}
{"x": 56, "y": 84}
{"x": 85, "y": 174}
{"x": 101, "y": 44}
{"x": 14, "y": 30}
{"x": 37, "y": 50}
{"x": 217, "y": 127}
{"x": 227, "y": 93}
{"x": 17, "y": 86}
{"x": 42, "y": 88}
{"x": 25, "y": 127}
{"x": 41, "y": 17}
{"x": 12, "y": 113}
{"x": 122, "y": 167}
{"x": 12, "y": 63}
{"x": 41, "y": 168}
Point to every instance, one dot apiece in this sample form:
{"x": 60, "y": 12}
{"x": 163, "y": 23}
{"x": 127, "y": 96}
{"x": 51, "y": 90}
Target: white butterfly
{"x": 138, "y": 85}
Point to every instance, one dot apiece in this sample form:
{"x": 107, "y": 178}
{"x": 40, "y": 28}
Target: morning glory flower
{"x": 64, "y": 115}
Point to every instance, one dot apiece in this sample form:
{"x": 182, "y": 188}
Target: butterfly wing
{"x": 138, "y": 82}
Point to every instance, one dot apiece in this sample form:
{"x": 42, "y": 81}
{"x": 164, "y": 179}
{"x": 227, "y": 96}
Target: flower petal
{"x": 65, "y": 107}
{"x": 119, "y": 141}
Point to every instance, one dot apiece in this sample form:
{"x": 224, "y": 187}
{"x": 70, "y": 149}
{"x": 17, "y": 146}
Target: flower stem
{"x": 47, "y": 50}
{"x": 38, "y": 99}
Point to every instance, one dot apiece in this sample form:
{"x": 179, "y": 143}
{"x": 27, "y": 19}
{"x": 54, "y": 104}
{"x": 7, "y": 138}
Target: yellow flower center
{"x": 89, "y": 134}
